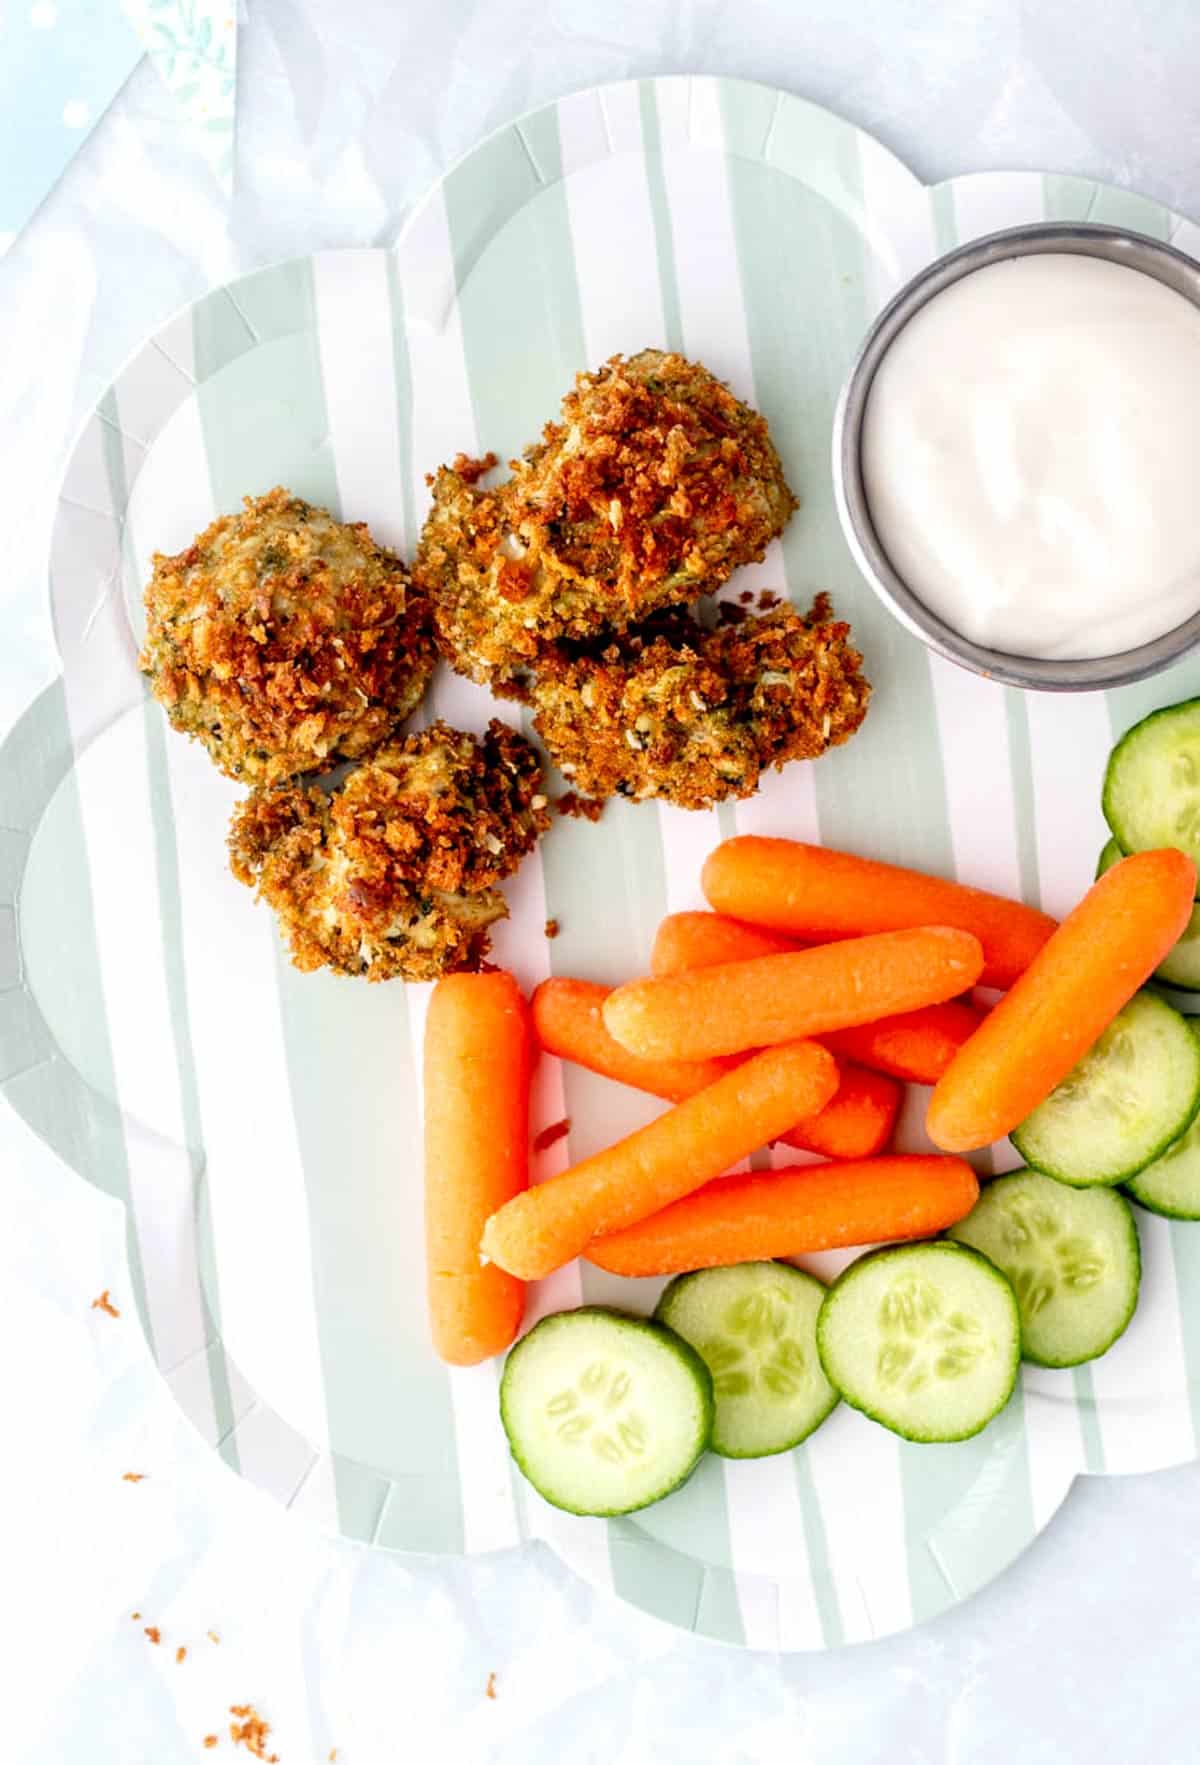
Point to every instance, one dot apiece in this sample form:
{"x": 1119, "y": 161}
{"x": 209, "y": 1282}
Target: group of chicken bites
{"x": 655, "y": 486}
{"x": 695, "y": 716}
{"x": 286, "y": 642}
{"x": 396, "y": 872}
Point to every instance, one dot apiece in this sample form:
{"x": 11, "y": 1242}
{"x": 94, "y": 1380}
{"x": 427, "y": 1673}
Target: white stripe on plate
{"x": 991, "y": 200}
{"x": 119, "y": 834}
{"x": 354, "y": 328}
{"x": 855, "y": 1469}
{"x": 767, "y": 1541}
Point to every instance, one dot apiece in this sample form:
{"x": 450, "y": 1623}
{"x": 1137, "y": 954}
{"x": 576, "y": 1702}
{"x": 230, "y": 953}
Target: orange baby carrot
{"x": 698, "y": 940}
{"x": 811, "y": 893}
{"x": 1093, "y": 965}
{"x": 768, "y": 999}
{"x": 856, "y": 1123}
{"x": 477, "y": 1062}
{"x": 790, "y": 1212}
{"x": 916, "y": 1045}
{"x": 535, "y": 1233}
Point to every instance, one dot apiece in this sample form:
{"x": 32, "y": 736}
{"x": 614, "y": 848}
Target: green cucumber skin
{"x": 682, "y": 1349}
{"x": 1128, "y": 1171}
{"x": 1108, "y": 789}
{"x": 1157, "y": 1207}
{"x": 900, "y": 1250}
{"x": 662, "y": 1316}
{"x": 1135, "y": 1250}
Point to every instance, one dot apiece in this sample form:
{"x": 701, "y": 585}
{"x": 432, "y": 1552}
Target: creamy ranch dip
{"x": 1031, "y": 456}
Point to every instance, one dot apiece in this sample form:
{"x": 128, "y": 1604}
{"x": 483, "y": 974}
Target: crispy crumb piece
{"x": 552, "y": 928}
{"x": 180, "y": 1654}
{"x": 153, "y": 1632}
{"x": 105, "y": 1304}
{"x": 571, "y": 803}
{"x": 490, "y": 1688}
{"x": 213, "y": 1637}
{"x": 551, "y": 1135}
{"x": 135, "y": 1616}
{"x": 211, "y": 1740}
{"x": 746, "y": 596}
{"x": 729, "y": 613}
{"x": 767, "y": 600}
{"x": 133, "y": 1476}
{"x": 251, "y": 1731}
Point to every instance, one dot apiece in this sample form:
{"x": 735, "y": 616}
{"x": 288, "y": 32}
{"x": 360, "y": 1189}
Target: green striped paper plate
{"x": 262, "y": 1127}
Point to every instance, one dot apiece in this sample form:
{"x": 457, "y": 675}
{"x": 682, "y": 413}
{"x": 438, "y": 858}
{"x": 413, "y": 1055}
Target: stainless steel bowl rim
{"x": 1137, "y": 251}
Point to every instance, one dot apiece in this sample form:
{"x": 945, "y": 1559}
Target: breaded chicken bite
{"x": 655, "y": 486}
{"x": 284, "y": 640}
{"x": 694, "y": 716}
{"x": 394, "y": 873}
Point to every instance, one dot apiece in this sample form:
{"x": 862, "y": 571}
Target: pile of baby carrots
{"x": 791, "y": 1012}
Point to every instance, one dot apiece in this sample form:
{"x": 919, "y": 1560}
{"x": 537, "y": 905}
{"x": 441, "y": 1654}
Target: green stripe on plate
{"x": 820, "y": 1566}
{"x": 402, "y": 369}
{"x": 1079, "y": 199}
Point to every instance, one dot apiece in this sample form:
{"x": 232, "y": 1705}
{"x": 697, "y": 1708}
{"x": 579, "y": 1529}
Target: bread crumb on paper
{"x": 587, "y": 808}
{"x": 180, "y": 1654}
{"x": 552, "y": 928}
{"x": 104, "y": 1303}
{"x": 153, "y": 1632}
{"x": 490, "y": 1688}
{"x": 211, "y": 1740}
{"x": 250, "y": 1730}
{"x": 213, "y": 1637}
{"x": 552, "y": 1135}
{"x": 133, "y": 1476}
{"x": 135, "y": 1616}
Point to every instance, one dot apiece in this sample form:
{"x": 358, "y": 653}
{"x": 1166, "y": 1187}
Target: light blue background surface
{"x": 1086, "y": 1649}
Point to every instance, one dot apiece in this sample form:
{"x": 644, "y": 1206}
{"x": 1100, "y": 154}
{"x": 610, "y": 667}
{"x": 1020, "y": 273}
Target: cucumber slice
{"x": 1072, "y": 1256}
{"x": 1181, "y": 966}
{"x": 1132, "y": 1094}
{"x": 925, "y": 1338}
{"x": 1171, "y": 1185}
{"x": 1152, "y": 782}
{"x": 755, "y": 1327}
{"x": 605, "y": 1413}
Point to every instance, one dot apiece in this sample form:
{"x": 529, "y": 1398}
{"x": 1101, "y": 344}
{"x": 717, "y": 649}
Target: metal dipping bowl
{"x": 1137, "y": 252}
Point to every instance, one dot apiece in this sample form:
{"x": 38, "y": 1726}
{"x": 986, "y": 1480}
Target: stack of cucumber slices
{"x": 607, "y": 1413}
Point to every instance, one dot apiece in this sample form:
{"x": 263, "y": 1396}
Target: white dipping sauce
{"x": 1031, "y": 456}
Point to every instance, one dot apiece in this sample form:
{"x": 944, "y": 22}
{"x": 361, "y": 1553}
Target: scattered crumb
{"x": 153, "y": 1632}
{"x": 213, "y": 1637}
{"x": 551, "y": 1135}
{"x": 133, "y": 1476}
{"x": 135, "y": 1616}
{"x": 251, "y": 1731}
{"x": 210, "y": 1740}
{"x": 746, "y": 596}
{"x": 729, "y": 613}
{"x": 469, "y": 470}
{"x": 333, "y": 1753}
{"x": 490, "y": 1688}
{"x": 571, "y": 803}
{"x": 104, "y": 1303}
{"x": 767, "y": 600}
{"x": 180, "y": 1654}
{"x": 552, "y": 928}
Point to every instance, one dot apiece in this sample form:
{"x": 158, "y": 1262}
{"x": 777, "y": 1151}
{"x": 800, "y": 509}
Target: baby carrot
{"x": 790, "y": 1212}
{"x": 811, "y": 893}
{"x": 477, "y": 1062}
{"x": 535, "y": 1233}
{"x": 768, "y": 999}
{"x": 698, "y": 940}
{"x": 1093, "y": 965}
{"x": 856, "y": 1123}
{"x": 915, "y": 1045}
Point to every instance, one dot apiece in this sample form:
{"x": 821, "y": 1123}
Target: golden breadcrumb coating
{"x": 694, "y": 716}
{"x": 394, "y": 872}
{"x": 284, "y": 640}
{"x": 655, "y": 486}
